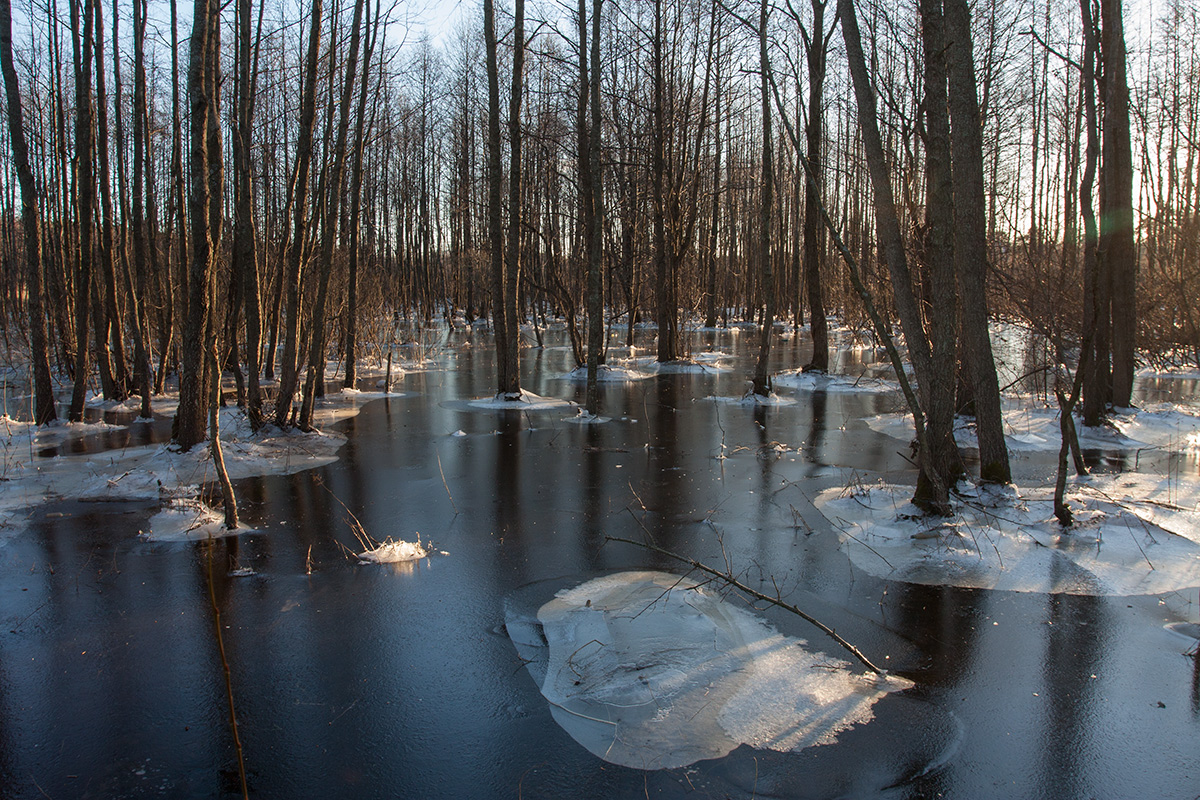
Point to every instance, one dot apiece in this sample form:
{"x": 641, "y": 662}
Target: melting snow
{"x": 394, "y": 552}
{"x": 653, "y": 671}
{"x": 834, "y": 384}
{"x": 1026, "y": 429}
{"x": 1134, "y": 534}
{"x": 528, "y": 402}
{"x": 607, "y": 374}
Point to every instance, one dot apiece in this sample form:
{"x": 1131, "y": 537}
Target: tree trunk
{"x": 887, "y": 226}
{"x": 494, "y": 177}
{"x": 814, "y": 231}
{"x": 511, "y": 388}
{"x": 85, "y": 193}
{"x": 43, "y": 390}
{"x": 761, "y": 383}
{"x": 204, "y": 159}
{"x": 939, "y": 253}
{"x": 1118, "y": 258}
{"x": 141, "y": 327}
{"x": 970, "y": 241}
{"x": 295, "y": 251}
{"x": 333, "y": 197}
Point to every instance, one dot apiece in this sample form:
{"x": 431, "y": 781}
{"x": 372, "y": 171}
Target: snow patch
{"x": 585, "y": 417}
{"x": 1133, "y": 535}
{"x": 185, "y": 519}
{"x": 652, "y": 671}
{"x": 1165, "y": 426}
{"x": 834, "y": 384}
{"x": 607, "y": 374}
{"x": 528, "y": 402}
{"x": 394, "y": 551}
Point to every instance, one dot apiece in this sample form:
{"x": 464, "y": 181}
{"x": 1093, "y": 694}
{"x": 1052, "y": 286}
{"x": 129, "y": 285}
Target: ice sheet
{"x": 653, "y": 671}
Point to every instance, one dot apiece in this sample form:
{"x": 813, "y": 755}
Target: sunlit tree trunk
{"x": 85, "y": 197}
{"x": 295, "y": 251}
{"x": 970, "y": 241}
{"x": 1118, "y": 258}
{"x": 761, "y": 383}
{"x": 43, "y": 390}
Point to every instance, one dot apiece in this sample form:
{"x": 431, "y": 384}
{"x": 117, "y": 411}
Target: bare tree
{"x": 31, "y": 228}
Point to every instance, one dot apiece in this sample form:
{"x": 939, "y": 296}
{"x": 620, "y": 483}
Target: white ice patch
{"x": 652, "y": 671}
{"x": 186, "y": 520}
{"x": 394, "y": 552}
{"x": 585, "y": 417}
{"x": 700, "y": 363}
{"x": 834, "y": 384}
{"x": 144, "y": 472}
{"x": 1131, "y": 536}
{"x": 527, "y": 402}
{"x": 752, "y": 399}
{"x": 1165, "y": 426}
{"x": 607, "y": 374}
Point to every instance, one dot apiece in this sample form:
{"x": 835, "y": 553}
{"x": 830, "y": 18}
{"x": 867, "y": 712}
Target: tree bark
{"x": 761, "y": 383}
{"x": 1118, "y": 258}
{"x": 495, "y": 227}
{"x": 939, "y": 251}
{"x": 511, "y": 388}
{"x": 933, "y": 494}
{"x": 43, "y": 390}
{"x": 295, "y": 251}
{"x": 817, "y": 49}
{"x": 970, "y": 241}
{"x": 85, "y": 194}
{"x": 190, "y": 427}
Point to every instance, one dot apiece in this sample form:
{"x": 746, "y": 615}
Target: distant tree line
{"x": 264, "y": 192}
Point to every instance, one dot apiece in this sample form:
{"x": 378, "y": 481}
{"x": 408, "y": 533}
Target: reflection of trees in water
{"x": 1076, "y": 642}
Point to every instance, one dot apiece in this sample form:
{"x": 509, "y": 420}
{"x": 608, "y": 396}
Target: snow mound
{"x": 607, "y": 374}
{"x": 528, "y": 402}
{"x": 1002, "y": 539}
{"x": 834, "y": 384}
{"x": 394, "y": 552}
{"x": 650, "y": 670}
{"x": 185, "y": 519}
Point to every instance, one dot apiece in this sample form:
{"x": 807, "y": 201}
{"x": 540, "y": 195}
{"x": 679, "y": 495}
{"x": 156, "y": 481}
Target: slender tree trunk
{"x": 43, "y": 390}
{"x": 333, "y": 197}
{"x": 1095, "y": 396}
{"x": 762, "y": 384}
{"x": 814, "y": 231}
{"x": 939, "y": 252}
{"x": 668, "y": 348}
{"x": 494, "y": 177}
{"x": 970, "y": 241}
{"x": 887, "y": 226}
{"x": 511, "y": 389}
{"x": 114, "y": 375}
{"x": 356, "y": 191}
{"x": 141, "y": 327}
{"x": 295, "y": 252}
{"x": 85, "y": 193}
{"x": 1118, "y": 258}
{"x": 190, "y": 426}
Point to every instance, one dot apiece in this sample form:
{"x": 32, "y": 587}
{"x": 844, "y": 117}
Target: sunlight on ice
{"x": 652, "y": 671}
{"x": 1132, "y": 536}
{"x": 393, "y": 552}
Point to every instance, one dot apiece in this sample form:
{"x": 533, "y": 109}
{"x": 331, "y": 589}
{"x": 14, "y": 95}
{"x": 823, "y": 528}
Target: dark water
{"x": 399, "y": 681}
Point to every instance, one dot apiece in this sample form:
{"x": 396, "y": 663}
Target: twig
{"x": 233, "y": 726}
{"x": 732, "y": 581}
{"x": 445, "y": 485}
